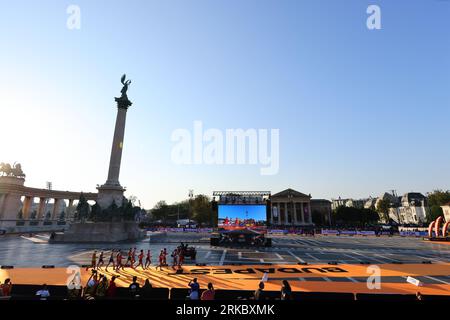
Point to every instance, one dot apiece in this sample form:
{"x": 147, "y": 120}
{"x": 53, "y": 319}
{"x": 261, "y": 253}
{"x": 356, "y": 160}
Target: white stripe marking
{"x": 222, "y": 259}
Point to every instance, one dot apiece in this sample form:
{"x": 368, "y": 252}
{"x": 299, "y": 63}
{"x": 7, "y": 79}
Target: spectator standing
{"x": 209, "y": 293}
{"x": 91, "y": 285}
{"x": 194, "y": 293}
{"x": 286, "y": 291}
{"x": 102, "y": 288}
{"x": 134, "y": 288}
{"x": 259, "y": 293}
{"x": 146, "y": 290}
{"x": 5, "y": 288}
{"x": 112, "y": 288}
{"x": 43, "y": 293}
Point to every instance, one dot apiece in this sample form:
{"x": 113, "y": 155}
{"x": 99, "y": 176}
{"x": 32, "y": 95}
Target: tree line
{"x": 198, "y": 209}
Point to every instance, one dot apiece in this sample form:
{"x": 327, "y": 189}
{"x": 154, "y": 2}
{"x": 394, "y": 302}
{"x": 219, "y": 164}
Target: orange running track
{"x": 247, "y": 277}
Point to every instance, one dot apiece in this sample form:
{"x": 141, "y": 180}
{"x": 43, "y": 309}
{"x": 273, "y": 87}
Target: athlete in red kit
{"x": 161, "y": 260}
{"x": 148, "y": 259}
{"x": 140, "y": 260}
{"x": 175, "y": 258}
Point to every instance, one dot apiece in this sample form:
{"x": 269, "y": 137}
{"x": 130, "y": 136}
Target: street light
{"x": 191, "y": 196}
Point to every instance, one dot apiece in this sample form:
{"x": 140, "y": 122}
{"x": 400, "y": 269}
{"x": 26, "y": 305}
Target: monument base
{"x": 109, "y": 193}
{"x": 91, "y": 232}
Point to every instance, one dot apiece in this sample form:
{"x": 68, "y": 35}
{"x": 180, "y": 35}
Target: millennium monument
{"x": 111, "y": 219}
{"x": 112, "y": 191}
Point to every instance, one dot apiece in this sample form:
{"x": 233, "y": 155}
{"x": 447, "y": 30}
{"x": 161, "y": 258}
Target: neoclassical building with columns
{"x": 290, "y": 208}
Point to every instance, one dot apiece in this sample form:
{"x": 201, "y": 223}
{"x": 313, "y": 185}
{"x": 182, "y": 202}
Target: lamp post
{"x": 191, "y": 196}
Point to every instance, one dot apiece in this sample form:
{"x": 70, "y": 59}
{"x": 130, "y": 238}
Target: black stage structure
{"x": 245, "y": 230}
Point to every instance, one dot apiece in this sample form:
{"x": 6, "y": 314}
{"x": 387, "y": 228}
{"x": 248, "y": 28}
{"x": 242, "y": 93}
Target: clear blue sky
{"x": 360, "y": 112}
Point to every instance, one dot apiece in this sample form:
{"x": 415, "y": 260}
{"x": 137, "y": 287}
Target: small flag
{"x": 414, "y": 281}
{"x": 265, "y": 277}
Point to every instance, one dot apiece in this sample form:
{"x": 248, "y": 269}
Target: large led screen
{"x": 233, "y": 217}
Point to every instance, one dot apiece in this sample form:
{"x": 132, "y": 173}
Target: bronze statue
{"x": 11, "y": 171}
{"x": 123, "y": 101}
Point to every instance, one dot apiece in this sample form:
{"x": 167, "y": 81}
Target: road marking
{"x": 222, "y": 258}
{"x": 310, "y": 255}
{"x": 279, "y": 256}
{"x": 383, "y": 257}
{"x": 369, "y": 257}
{"x": 435, "y": 279}
{"x": 298, "y": 258}
{"x": 349, "y": 256}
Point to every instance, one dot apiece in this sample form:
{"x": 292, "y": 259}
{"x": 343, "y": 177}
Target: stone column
{"x": 112, "y": 191}
{"x": 41, "y": 208}
{"x": 302, "y": 208}
{"x": 55, "y": 213}
{"x": 309, "y": 213}
{"x": 295, "y": 213}
{"x": 27, "y": 202}
{"x": 286, "y": 214}
{"x": 2, "y": 201}
{"x": 116, "y": 149}
{"x": 69, "y": 211}
{"x": 279, "y": 213}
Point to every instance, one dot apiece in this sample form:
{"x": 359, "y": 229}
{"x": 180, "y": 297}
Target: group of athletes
{"x": 116, "y": 259}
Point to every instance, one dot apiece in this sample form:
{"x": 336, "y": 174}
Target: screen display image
{"x": 232, "y": 217}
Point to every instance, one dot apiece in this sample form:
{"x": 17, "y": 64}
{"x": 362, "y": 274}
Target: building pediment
{"x": 291, "y": 194}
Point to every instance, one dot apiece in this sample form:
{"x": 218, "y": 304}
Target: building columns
{"x": 295, "y": 213}
{"x": 27, "y": 202}
{"x": 2, "y": 202}
{"x": 41, "y": 208}
{"x": 309, "y": 213}
{"x": 55, "y": 212}
{"x": 302, "y": 212}
{"x": 69, "y": 210}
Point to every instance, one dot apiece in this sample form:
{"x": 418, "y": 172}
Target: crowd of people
{"x": 144, "y": 259}
{"x": 99, "y": 287}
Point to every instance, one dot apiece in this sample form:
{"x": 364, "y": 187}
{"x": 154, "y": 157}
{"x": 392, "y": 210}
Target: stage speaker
{"x": 48, "y": 267}
{"x": 268, "y": 242}
{"x": 7, "y": 267}
{"x": 214, "y": 241}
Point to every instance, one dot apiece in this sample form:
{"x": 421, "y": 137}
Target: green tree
{"x": 436, "y": 199}
{"x": 369, "y": 216}
{"x": 355, "y": 217}
{"x": 96, "y": 212}
{"x": 83, "y": 209}
{"x": 435, "y": 212}
{"x": 160, "y": 210}
{"x": 383, "y": 209}
{"x": 318, "y": 218}
{"x": 202, "y": 210}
